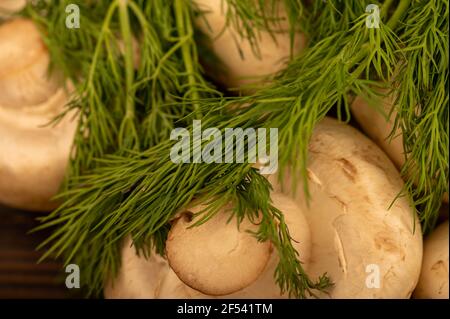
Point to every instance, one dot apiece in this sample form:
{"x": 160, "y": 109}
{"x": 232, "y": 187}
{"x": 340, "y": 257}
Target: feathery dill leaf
{"x": 422, "y": 106}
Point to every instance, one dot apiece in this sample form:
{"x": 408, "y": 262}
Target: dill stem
{"x": 398, "y": 13}
{"x": 128, "y": 56}
{"x": 98, "y": 47}
{"x": 185, "y": 31}
{"x": 385, "y": 8}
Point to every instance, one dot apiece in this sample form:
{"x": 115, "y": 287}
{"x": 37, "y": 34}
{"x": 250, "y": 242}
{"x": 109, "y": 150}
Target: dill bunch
{"x": 122, "y": 182}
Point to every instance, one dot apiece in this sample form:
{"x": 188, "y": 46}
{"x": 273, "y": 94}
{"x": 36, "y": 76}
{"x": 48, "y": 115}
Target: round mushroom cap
{"x": 216, "y": 258}
{"x": 153, "y": 278}
{"x": 369, "y": 248}
{"x": 433, "y": 282}
{"x": 33, "y": 153}
{"x": 239, "y": 64}
{"x": 266, "y": 287}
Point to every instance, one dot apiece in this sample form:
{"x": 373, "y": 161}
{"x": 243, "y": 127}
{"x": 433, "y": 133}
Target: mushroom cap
{"x": 33, "y": 154}
{"x": 378, "y": 128}
{"x": 240, "y": 65}
{"x": 216, "y": 258}
{"x": 433, "y": 282}
{"x": 153, "y": 277}
{"x": 24, "y": 61}
{"x": 265, "y": 286}
{"x": 8, "y": 7}
{"x": 354, "y": 233}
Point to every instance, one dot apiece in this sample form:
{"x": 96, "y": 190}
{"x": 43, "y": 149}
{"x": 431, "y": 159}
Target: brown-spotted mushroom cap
{"x": 33, "y": 155}
{"x": 216, "y": 258}
{"x": 369, "y": 249}
{"x": 240, "y": 64}
{"x": 153, "y": 277}
{"x": 433, "y": 282}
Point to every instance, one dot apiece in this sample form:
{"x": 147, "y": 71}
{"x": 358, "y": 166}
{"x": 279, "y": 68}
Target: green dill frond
{"x": 422, "y": 106}
{"x": 120, "y": 107}
{"x": 327, "y": 17}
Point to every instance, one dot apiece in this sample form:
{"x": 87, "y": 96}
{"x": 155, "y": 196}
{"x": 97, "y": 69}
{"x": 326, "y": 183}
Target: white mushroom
{"x": 33, "y": 156}
{"x": 216, "y": 258}
{"x": 206, "y": 257}
{"x": 368, "y": 249}
{"x": 433, "y": 282}
{"x": 240, "y": 65}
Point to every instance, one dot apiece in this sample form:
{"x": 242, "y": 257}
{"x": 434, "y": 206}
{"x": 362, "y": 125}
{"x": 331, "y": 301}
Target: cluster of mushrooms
{"x": 348, "y": 230}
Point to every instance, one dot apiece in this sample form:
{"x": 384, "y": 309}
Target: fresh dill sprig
{"x": 248, "y": 18}
{"x": 117, "y": 110}
{"x": 328, "y": 17}
{"x": 422, "y": 106}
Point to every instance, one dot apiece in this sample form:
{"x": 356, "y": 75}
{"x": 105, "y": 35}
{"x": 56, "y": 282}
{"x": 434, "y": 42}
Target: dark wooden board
{"x": 20, "y": 274}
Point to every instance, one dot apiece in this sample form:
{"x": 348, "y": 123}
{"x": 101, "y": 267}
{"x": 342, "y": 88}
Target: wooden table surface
{"x": 20, "y": 275}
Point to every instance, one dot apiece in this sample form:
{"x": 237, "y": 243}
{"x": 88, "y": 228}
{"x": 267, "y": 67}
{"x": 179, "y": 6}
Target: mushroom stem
{"x": 129, "y": 60}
